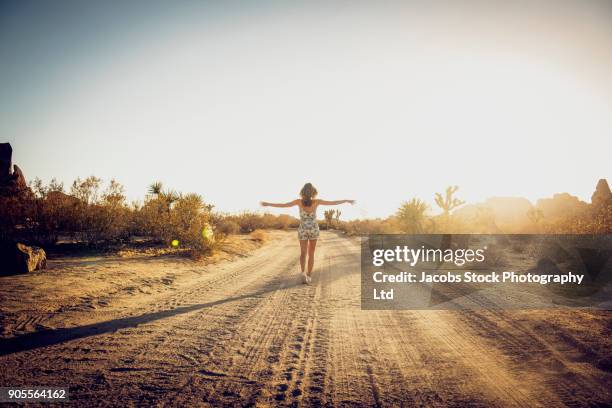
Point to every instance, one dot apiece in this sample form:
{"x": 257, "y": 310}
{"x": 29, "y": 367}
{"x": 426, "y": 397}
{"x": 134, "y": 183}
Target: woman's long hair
{"x": 307, "y": 193}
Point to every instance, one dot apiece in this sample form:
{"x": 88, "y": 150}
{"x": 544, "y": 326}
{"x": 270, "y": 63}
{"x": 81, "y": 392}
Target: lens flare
{"x": 207, "y": 232}
{"x": 175, "y": 243}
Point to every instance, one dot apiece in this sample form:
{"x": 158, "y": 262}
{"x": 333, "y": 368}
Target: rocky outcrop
{"x": 602, "y": 195}
{"x": 12, "y": 181}
{"x": 15, "y": 197}
{"x": 58, "y": 198}
{"x": 19, "y": 179}
{"x": 6, "y": 155}
{"x": 30, "y": 259}
{"x": 561, "y": 205}
{"x": 17, "y": 258}
{"x": 504, "y": 211}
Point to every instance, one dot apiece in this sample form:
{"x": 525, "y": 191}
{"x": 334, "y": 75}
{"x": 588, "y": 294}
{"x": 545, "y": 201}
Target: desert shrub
{"x": 595, "y": 221}
{"x": 249, "y": 221}
{"x": 601, "y": 222}
{"x": 259, "y": 235}
{"x": 56, "y": 213}
{"x": 15, "y": 216}
{"x": 288, "y": 221}
{"x": 481, "y": 221}
{"x": 364, "y": 227}
{"x": 89, "y": 214}
{"x": 332, "y": 218}
{"x": 282, "y": 221}
{"x": 183, "y": 220}
{"x": 189, "y": 221}
{"x": 227, "y": 226}
{"x": 270, "y": 221}
{"x": 411, "y": 216}
{"x": 97, "y": 215}
{"x": 153, "y": 220}
{"x": 451, "y": 224}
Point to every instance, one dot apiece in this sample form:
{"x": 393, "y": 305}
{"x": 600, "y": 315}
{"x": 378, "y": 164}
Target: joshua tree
{"x": 170, "y": 196}
{"x": 156, "y": 188}
{"x": 164, "y": 198}
{"x": 411, "y": 216}
{"x": 448, "y": 203}
{"x": 337, "y": 216}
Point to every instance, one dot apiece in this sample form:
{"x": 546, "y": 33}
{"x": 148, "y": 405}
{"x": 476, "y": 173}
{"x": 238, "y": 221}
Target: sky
{"x": 374, "y": 101}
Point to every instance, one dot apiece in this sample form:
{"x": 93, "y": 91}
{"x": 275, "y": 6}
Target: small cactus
{"x": 329, "y": 217}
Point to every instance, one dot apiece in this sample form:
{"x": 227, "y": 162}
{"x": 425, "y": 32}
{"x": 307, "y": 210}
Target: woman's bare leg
{"x": 303, "y": 250}
{"x": 312, "y": 244}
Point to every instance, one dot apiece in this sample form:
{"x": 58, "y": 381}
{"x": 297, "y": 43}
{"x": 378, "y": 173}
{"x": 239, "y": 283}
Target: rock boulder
{"x": 17, "y": 258}
{"x": 6, "y": 164}
{"x": 12, "y": 181}
{"x": 602, "y": 195}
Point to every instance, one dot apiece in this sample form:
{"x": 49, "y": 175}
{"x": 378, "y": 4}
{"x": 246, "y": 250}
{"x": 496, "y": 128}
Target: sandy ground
{"x": 170, "y": 331}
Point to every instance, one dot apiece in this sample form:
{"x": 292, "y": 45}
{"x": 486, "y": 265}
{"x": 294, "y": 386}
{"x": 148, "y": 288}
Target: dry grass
{"x": 259, "y": 235}
{"x": 250, "y": 221}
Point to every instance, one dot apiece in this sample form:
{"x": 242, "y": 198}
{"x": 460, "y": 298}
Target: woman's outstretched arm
{"x": 280, "y": 205}
{"x": 336, "y": 202}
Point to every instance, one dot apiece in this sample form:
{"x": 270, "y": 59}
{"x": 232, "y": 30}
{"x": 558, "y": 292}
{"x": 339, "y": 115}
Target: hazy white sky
{"x": 380, "y": 103}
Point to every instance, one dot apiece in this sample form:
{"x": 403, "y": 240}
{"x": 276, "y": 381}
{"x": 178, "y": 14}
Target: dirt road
{"x": 248, "y": 333}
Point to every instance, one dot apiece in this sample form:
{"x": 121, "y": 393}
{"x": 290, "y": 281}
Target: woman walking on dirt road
{"x": 308, "y": 231}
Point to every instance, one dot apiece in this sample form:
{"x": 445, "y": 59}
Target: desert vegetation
{"x": 93, "y": 213}
{"x": 332, "y": 218}
{"x": 561, "y": 214}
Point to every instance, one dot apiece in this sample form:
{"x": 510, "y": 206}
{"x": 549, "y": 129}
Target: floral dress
{"x": 309, "y": 228}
